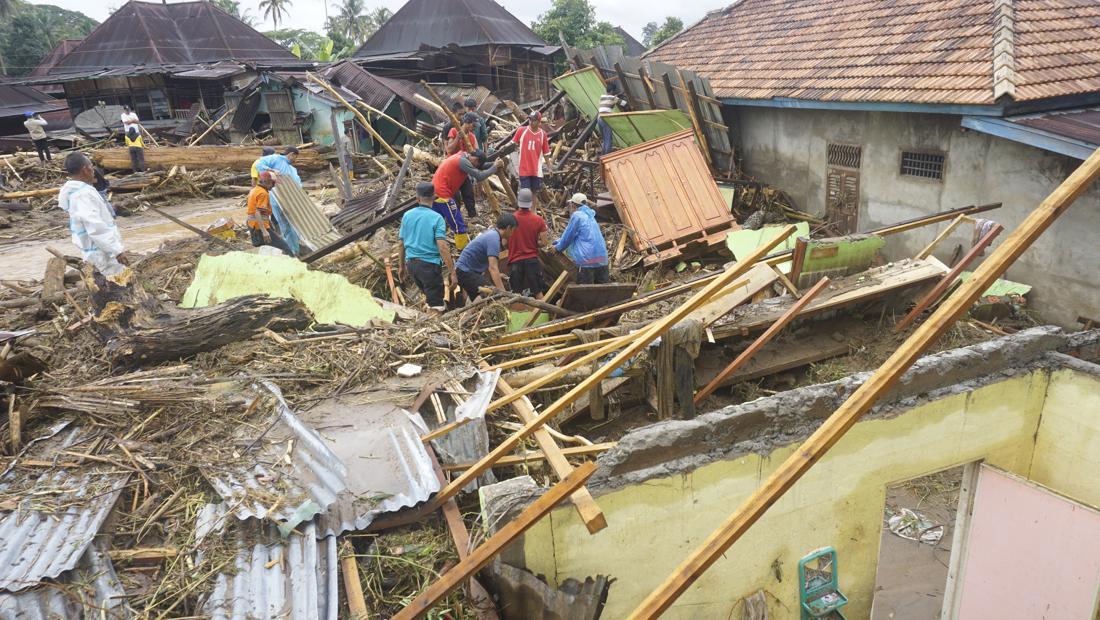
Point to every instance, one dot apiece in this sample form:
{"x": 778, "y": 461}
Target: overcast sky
{"x": 630, "y": 14}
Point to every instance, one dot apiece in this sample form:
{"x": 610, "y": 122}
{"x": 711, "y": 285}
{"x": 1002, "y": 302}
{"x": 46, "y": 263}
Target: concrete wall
{"x": 666, "y": 487}
{"x": 787, "y": 149}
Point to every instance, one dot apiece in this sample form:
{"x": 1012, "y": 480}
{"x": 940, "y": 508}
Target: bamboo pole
{"x": 522, "y": 459}
{"x": 887, "y": 375}
{"x": 496, "y": 543}
{"x": 353, "y": 588}
{"x": 762, "y": 340}
{"x": 637, "y": 342}
{"x": 927, "y": 251}
{"x": 549, "y": 355}
{"x": 412, "y": 132}
{"x": 209, "y": 129}
{"x": 358, "y": 115}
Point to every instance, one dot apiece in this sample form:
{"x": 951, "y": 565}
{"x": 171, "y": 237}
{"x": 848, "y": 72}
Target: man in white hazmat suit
{"x": 91, "y": 219}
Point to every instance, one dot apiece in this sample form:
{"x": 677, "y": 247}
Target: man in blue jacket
{"x": 583, "y": 242}
{"x": 281, "y": 165}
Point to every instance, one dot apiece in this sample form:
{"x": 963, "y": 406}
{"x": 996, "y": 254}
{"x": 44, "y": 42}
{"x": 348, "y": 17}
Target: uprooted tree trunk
{"x": 138, "y": 329}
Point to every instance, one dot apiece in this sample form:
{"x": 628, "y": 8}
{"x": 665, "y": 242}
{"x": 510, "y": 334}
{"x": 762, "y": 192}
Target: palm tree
{"x": 275, "y": 9}
{"x": 350, "y": 18}
{"x": 7, "y": 7}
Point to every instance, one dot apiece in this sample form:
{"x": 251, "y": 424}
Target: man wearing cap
{"x": 259, "y": 214}
{"x": 36, "y": 127}
{"x": 455, "y": 144}
{"x": 524, "y": 269}
{"x": 481, "y": 129}
{"x": 423, "y": 249}
{"x": 584, "y": 243}
{"x": 533, "y": 146}
{"x": 483, "y": 254}
{"x": 448, "y": 179}
{"x": 264, "y": 152}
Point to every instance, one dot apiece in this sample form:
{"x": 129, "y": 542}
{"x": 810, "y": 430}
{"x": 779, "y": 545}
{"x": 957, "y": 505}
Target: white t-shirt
{"x": 129, "y": 118}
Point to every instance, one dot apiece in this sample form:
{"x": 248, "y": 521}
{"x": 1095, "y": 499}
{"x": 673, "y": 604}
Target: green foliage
{"x": 576, "y": 20}
{"x": 653, "y": 35}
{"x": 31, "y": 31}
{"x": 306, "y": 44}
{"x": 233, "y": 7}
{"x": 354, "y": 24}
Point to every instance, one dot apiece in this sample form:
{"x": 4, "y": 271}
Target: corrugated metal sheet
{"x": 361, "y": 82}
{"x": 469, "y": 442}
{"x": 664, "y": 191}
{"x": 1080, "y": 124}
{"x": 441, "y": 23}
{"x": 293, "y": 578}
{"x": 56, "y": 54}
{"x": 91, "y": 590}
{"x": 216, "y": 71}
{"x": 312, "y": 226}
{"x": 147, "y": 33}
{"x": 49, "y": 533}
{"x": 15, "y": 100}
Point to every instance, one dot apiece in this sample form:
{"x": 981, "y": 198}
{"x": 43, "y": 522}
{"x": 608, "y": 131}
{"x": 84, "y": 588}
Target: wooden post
{"x": 353, "y": 588}
{"x": 586, "y": 506}
{"x": 683, "y": 370}
{"x": 648, "y": 89}
{"x": 638, "y": 341}
{"x": 949, "y": 278}
{"x": 762, "y": 340}
{"x": 798, "y": 257}
{"x": 927, "y": 251}
{"x": 883, "y": 379}
{"x": 395, "y": 189}
{"x": 208, "y": 129}
{"x": 563, "y": 277}
{"x": 626, "y": 89}
{"x": 670, "y": 91}
{"x": 665, "y": 380}
{"x": 341, "y": 154}
{"x": 358, "y": 115}
{"x": 496, "y": 543}
{"x": 693, "y": 108}
{"x": 198, "y": 231}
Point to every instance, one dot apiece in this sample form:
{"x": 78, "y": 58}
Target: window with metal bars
{"x": 923, "y": 164}
{"x": 844, "y": 155}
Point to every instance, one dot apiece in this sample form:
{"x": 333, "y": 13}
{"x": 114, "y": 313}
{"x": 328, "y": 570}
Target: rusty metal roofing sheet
{"x": 272, "y": 576}
{"x": 56, "y": 54}
{"x": 50, "y": 531}
{"x": 363, "y": 83}
{"x": 1080, "y": 124}
{"x": 91, "y": 590}
{"x": 216, "y": 71}
{"x": 15, "y": 100}
{"x": 440, "y": 23}
{"x": 155, "y": 33}
{"x": 917, "y": 51}
{"x": 664, "y": 191}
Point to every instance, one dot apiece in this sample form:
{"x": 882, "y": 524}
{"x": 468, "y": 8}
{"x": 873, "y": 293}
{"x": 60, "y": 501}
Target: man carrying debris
{"x": 524, "y": 269}
{"x": 91, "y": 220}
{"x": 481, "y": 129}
{"x": 584, "y": 243}
{"x": 483, "y": 254}
{"x": 448, "y": 179}
{"x": 608, "y": 102}
{"x": 281, "y": 167}
{"x": 36, "y": 127}
{"x": 423, "y": 249}
{"x": 264, "y": 152}
{"x": 137, "y": 148}
{"x": 259, "y": 214}
{"x": 456, "y": 109}
{"x": 455, "y": 143}
{"x": 533, "y": 147}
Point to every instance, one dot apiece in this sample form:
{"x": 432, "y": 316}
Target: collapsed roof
{"x": 441, "y": 23}
{"x": 15, "y": 100}
{"x": 152, "y": 34}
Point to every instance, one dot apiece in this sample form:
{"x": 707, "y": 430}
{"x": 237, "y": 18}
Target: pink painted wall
{"x": 1030, "y": 554}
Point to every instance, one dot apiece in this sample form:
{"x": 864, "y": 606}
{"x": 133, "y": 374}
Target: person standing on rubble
{"x": 455, "y": 144}
{"x": 129, "y": 119}
{"x": 422, "y": 246}
{"x": 533, "y": 147}
{"x": 137, "y": 148}
{"x": 264, "y": 152}
{"x": 448, "y": 179}
{"x": 36, "y": 127}
{"x": 481, "y": 129}
{"x": 583, "y": 242}
{"x": 608, "y": 102}
{"x": 259, "y": 214}
{"x": 524, "y": 268}
{"x": 281, "y": 167}
{"x": 456, "y": 109}
{"x": 91, "y": 219}
{"x": 483, "y": 254}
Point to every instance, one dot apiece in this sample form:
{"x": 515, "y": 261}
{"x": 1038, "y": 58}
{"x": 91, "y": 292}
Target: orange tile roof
{"x": 919, "y": 51}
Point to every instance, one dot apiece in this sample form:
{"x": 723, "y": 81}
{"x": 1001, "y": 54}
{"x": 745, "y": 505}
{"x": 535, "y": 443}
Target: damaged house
{"x": 874, "y": 112}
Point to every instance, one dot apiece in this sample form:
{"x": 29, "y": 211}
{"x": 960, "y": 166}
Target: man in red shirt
{"x": 454, "y": 145}
{"x": 524, "y": 269}
{"x": 533, "y": 146}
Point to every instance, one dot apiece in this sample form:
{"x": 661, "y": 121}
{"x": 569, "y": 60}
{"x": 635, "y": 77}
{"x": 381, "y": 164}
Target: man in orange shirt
{"x": 259, "y": 214}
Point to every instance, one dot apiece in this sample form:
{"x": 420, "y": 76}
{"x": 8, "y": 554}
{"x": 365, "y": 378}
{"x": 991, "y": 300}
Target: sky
{"x": 632, "y": 15}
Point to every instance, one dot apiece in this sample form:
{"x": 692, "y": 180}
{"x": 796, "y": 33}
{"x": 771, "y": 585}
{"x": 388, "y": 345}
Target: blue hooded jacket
{"x": 582, "y": 239}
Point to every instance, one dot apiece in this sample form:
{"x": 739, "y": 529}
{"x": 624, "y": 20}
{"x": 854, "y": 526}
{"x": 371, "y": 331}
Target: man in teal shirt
{"x": 423, "y": 248}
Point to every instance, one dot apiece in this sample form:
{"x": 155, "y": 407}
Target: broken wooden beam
{"x": 866, "y": 395}
{"x": 534, "y": 457}
{"x": 927, "y": 251}
{"x": 353, "y": 587}
{"x": 496, "y": 543}
{"x": 358, "y": 115}
{"x": 235, "y": 157}
{"x": 762, "y": 340}
{"x": 198, "y": 231}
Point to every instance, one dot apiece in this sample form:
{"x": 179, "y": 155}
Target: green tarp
{"x": 638, "y": 127}
{"x": 330, "y": 297}
{"x": 743, "y": 242}
{"x": 1000, "y": 288}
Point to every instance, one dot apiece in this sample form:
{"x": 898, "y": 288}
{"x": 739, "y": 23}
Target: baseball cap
{"x": 469, "y": 117}
{"x": 578, "y": 198}
{"x": 471, "y": 102}
{"x": 524, "y": 198}
{"x": 28, "y": 113}
{"x": 425, "y": 189}
{"x": 536, "y": 116}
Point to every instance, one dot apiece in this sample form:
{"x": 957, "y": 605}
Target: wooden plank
{"x": 883, "y": 379}
{"x": 496, "y": 543}
{"x": 631, "y": 101}
{"x": 775, "y": 359}
{"x": 638, "y": 341}
{"x": 759, "y": 278}
{"x": 353, "y": 587}
{"x": 949, "y": 279}
{"x": 532, "y": 457}
{"x": 443, "y": 430}
{"x": 534, "y": 342}
{"x": 563, "y": 277}
{"x": 648, "y": 88}
{"x": 585, "y": 504}
{"x": 762, "y": 340}
{"x": 927, "y": 251}
{"x": 549, "y": 355}
{"x": 588, "y": 297}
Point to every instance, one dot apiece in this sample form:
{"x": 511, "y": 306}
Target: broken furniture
{"x": 819, "y": 594}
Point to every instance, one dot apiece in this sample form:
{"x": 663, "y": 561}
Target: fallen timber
{"x": 196, "y": 157}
